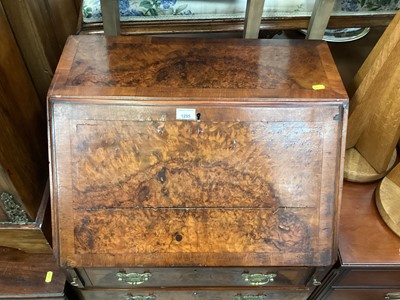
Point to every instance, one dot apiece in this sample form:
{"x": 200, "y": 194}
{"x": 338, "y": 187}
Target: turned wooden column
{"x": 388, "y": 199}
{"x": 374, "y": 114}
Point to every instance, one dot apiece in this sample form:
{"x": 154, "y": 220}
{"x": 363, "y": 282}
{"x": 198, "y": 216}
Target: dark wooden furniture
{"x": 30, "y": 276}
{"x": 30, "y": 49}
{"x": 24, "y": 195}
{"x": 31, "y": 237}
{"x": 41, "y": 29}
{"x": 186, "y": 168}
{"x": 23, "y": 157}
{"x": 369, "y": 251}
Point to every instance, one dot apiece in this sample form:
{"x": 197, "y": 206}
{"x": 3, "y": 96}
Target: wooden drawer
{"x": 203, "y": 153}
{"x": 192, "y": 294}
{"x": 364, "y": 294}
{"x": 170, "y": 277}
{"x": 368, "y": 278}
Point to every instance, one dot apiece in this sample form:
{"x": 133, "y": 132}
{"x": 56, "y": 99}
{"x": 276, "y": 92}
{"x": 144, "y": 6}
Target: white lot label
{"x": 186, "y": 114}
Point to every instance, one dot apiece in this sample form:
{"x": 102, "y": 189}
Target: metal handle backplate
{"x": 392, "y": 296}
{"x": 140, "y": 298}
{"x": 250, "y": 297}
{"x": 133, "y": 278}
{"x": 258, "y": 279}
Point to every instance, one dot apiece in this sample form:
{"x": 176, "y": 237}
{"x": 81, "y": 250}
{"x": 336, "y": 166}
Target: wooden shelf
{"x": 27, "y": 276}
{"x": 364, "y": 238}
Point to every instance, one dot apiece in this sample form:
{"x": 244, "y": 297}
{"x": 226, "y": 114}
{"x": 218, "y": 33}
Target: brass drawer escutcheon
{"x": 258, "y": 279}
{"x": 250, "y": 297}
{"x": 140, "y": 298}
{"x": 133, "y": 278}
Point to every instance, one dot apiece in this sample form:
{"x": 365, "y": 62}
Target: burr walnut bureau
{"x": 195, "y": 168}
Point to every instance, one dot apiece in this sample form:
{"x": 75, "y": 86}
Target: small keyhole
{"x": 178, "y": 237}
{"x": 198, "y": 115}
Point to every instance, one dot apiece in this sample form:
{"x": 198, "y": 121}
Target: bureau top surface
{"x": 145, "y": 68}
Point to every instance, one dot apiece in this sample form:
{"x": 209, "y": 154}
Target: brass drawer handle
{"x": 133, "y": 278}
{"x": 140, "y": 298}
{"x": 392, "y": 296}
{"x": 258, "y": 279}
{"x": 250, "y": 297}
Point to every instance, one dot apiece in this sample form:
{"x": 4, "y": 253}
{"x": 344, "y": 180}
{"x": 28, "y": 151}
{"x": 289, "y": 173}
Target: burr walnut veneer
{"x": 186, "y": 168}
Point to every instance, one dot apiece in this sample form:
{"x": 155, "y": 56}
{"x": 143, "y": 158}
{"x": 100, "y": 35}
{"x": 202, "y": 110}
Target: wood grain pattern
{"x": 376, "y": 147}
{"x": 23, "y": 275}
{"x": 28, "y": 238}
{"x": 387, "y": 200}
{"x": 379, "y": 53}
{"x": 144, "y": 67}
{"x": 370, "y": 83}
{"x": 64, "y": 15}
{"x": 199, "y": 277}
{"x": 355, "y": 248}
{"x": 394, "y": 175}
{"x": 23, "y": 157}
{"x": 360, "y": 294}
{"x": 254, "y": 182}
{"x": 378, "y": 277}
{"x": 28, "y": 56}
{"x": 34, "y": 237}
{"x": 40, "y": 57}
{"x": 192, "y": 231}
{"x": 41, "y": 28}
{"x": 229, "y": 170}
{"x": 369, "y": 250}
{"x": 358, "y": 169}
{"x": 182, "y": 294}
